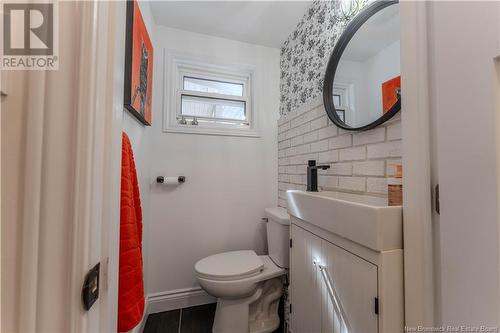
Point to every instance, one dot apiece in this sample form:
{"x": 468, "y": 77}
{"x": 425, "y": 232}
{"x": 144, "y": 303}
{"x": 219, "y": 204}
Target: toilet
{"x": 248, "y": 287}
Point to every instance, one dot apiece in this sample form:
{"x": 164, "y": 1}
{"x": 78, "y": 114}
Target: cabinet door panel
{"x": 356, "y": 283}
{"x": 305, "y": 283}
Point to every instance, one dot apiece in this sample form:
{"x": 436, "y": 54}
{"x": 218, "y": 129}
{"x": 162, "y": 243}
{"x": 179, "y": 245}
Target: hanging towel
{"x": 130, "y": 282}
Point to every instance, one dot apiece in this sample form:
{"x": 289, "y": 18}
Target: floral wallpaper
{"x": 305, "y": 54}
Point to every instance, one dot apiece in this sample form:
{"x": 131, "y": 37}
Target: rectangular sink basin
{"x": 364, "y": 219}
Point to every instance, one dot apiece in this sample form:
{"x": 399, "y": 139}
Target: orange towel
{"x": 130, "y": 283}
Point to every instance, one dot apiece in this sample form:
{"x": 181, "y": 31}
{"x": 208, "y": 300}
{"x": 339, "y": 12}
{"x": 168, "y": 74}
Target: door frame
{"x": 100, "y": 240}
{"x": 416, "y": 131}
{"x": 97, "y": 198}
{"x": 417, "y": 194}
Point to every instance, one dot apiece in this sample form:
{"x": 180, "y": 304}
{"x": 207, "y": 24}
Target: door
{"x": 64, "y": 136}
{"x": 355, "y": 280}
{"x": 315, "y": 265}
{"x": 305, "y": 283}
{"x": 464, "y": 88}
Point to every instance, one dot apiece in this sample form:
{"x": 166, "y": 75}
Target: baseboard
{"x": 177, "y": 299}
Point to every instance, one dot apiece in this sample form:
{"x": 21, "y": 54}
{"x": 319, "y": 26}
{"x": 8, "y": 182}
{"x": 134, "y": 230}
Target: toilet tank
{"x": 278, "y": 235}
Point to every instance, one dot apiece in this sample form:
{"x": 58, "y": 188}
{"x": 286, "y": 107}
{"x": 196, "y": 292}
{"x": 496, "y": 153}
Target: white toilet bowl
{"x": 248, "y": 288}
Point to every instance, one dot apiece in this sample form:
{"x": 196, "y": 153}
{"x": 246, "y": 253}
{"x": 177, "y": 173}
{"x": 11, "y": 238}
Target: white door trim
{"x": 417, "y": 212}
{"x": 112, "y": 16}
{"x": 99, "y": 157}
{"x": 84, "y": 161}
{"x": 28, "y": 274}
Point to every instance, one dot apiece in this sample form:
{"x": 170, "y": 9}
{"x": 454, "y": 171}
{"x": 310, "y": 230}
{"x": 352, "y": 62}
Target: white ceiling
{"x": 267, "y": 23}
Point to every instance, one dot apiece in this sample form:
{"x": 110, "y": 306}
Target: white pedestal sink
{"x": 364, "y": 219}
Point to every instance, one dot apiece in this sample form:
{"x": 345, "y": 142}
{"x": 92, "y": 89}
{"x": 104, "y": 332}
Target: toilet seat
{"x": 228, "y": 266}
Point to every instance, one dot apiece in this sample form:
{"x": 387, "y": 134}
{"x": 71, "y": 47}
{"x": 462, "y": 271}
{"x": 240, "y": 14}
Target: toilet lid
{"x": 229, "y": 265}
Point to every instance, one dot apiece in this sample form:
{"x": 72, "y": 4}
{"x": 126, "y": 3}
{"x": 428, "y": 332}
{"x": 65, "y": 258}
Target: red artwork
{"x": 138, "y": 66}
{"x": 390, "y": 93}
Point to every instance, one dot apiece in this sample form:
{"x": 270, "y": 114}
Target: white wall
{"x": 383, "y": 66}
{"x": 353, "y": 73}
{"x": 139, "y": 135}
{"x": 230, "y": 180}
{"x": 463, "y": 85}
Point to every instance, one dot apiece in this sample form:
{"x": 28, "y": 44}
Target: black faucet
{"x": 312, "y": 175}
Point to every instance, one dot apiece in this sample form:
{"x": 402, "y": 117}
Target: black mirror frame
{"x": 331, "y": 68}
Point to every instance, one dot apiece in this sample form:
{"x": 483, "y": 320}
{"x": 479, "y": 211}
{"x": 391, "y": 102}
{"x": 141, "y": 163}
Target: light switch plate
{"x": 90, "y": 290}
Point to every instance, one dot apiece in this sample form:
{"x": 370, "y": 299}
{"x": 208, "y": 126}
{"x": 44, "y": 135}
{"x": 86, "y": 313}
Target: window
{"x": 210, "y": 99}
{"x": 212, "y": 86}
{"x": 215, "y": 101}
{"x": 342, "y": 100}
{"x": 339, "y": 106}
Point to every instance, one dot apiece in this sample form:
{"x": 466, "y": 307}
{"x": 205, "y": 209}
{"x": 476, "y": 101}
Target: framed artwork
{"x": 138, "y": 66}
{"x": 390, "y": 93}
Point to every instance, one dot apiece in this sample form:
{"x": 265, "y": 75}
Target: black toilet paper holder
{"x": 161, "y": 179}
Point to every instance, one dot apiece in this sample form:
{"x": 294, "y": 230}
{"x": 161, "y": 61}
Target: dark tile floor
{"x": 196, "y": 319}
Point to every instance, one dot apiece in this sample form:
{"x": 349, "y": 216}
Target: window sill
{"x": 191, "y": 129}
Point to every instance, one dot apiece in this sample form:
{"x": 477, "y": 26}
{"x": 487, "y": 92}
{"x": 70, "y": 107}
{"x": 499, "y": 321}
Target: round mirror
{"x": 362, "y": 87}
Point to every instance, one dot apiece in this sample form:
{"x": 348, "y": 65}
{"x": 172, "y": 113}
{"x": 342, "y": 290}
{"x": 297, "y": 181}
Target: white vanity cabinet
{"x": 367, "y": 278}
{"x": 356, "y": 280}
{"x": 305, "y": 282}
{"x": 370, "y": 289}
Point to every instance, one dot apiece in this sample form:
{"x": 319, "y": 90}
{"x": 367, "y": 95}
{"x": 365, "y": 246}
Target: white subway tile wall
{"x": 360, "y": 162}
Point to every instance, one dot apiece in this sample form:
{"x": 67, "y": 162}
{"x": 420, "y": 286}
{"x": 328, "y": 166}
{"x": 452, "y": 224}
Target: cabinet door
{"x": 305, "y": 283}
{"x": 356, "y": 282}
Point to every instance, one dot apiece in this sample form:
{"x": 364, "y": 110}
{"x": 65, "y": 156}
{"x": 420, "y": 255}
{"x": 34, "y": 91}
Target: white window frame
{"x": 346, "y": 92}
{"x": 178, "y": 66}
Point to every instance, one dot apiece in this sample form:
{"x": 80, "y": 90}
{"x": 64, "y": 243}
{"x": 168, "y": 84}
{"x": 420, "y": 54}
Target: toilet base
{"x": 265, "y": 326}
{"x": 257, "y": 313}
